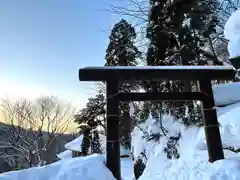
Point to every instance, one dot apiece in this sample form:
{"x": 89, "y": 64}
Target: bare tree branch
{"x": 33, "y": 128}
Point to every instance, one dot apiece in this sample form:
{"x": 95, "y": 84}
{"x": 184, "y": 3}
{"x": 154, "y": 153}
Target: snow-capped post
{"x": 113, "y": 140}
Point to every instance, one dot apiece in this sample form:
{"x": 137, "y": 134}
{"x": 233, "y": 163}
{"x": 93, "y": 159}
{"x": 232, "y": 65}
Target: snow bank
{"x": 225, "y": 94}
{"x": 196, "y": 167}
{"x": 75, "y": 168}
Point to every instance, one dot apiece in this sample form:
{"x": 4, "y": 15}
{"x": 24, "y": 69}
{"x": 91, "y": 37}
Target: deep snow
{"x": 193, "y": 162}
{"x": 75, "y": 168}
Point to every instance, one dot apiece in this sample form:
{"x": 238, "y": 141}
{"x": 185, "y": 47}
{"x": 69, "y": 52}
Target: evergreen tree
{"x": 179, "y": 30}
{"x": 94, "y": 112}
{"x": 121, "y": 51}
{"x": 180, "y": 33}
{"x": 96, "y": 145}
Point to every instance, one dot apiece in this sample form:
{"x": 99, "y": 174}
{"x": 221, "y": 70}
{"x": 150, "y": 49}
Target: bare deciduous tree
{"x": 32, "y": 130}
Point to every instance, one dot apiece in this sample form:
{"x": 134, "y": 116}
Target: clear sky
{"x": 43, "y": 43}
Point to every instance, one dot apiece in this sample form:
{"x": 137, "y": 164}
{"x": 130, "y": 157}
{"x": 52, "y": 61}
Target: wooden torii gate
{"x": 203, "y": 74}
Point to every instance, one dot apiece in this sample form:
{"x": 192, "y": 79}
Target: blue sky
{"x": 43, "y": 43}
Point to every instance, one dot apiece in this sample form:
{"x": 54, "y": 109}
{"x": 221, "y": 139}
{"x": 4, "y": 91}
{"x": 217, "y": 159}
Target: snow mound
{"x": 195, "y": 167}
{"x": 232, "y": 33}
{"x": 225, "y": 94}
{"x": 75, "y": 168}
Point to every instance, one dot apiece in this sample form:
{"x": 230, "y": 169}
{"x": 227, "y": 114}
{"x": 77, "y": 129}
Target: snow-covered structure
{"x": 74, "y": 149}
{"x": 75, "y": 146}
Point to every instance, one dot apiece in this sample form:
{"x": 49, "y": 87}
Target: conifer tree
{"x": 122, "y": 51}
{"x": 86, "y": 142}
{"x": 94, "y": 112}
{"x": 96, "y": 145}
{"x": 180, "y": 33}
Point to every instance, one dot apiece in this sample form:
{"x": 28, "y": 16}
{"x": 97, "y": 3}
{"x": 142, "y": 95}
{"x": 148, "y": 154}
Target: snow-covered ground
{"x": 75, "y": 168}
{"x": 72, "y": 168}
{"x": 127, "y": 168}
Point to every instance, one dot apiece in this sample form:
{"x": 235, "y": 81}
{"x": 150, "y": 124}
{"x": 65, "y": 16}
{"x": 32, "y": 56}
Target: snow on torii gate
{"x": 115, "y": 74}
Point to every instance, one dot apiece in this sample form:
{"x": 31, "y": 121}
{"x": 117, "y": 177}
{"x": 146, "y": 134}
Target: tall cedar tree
{"x": 122, "y": 51}
{"x": 180, "y": 33}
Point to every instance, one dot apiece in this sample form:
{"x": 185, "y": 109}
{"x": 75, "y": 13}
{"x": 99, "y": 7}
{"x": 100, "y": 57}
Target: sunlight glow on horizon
{"x": 13, "y": 91}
